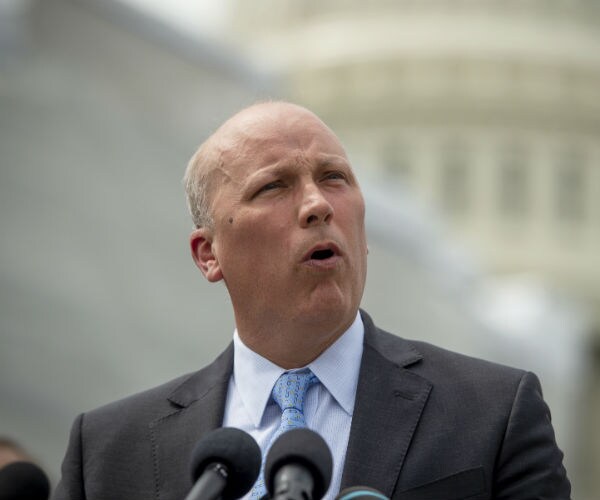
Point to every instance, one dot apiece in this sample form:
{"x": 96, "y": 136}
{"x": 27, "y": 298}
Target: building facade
{"x": 488, "y": 110}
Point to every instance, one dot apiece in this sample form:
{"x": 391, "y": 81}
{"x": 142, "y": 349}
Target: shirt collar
{"x": 337, "y": 369}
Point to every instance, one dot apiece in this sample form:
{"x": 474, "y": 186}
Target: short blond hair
{"x": 197, "y": 182}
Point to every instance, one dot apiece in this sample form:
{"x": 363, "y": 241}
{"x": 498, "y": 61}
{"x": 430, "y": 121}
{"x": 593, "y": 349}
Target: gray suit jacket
{"x": 428, "y": 424}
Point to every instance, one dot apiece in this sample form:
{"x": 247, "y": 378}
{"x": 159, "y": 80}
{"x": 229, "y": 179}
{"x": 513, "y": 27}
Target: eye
{"x": 334, "y": 176}
{"x": 270, "y": 186}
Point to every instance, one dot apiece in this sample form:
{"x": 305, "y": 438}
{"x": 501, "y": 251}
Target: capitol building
{"x": 487, "y": 110}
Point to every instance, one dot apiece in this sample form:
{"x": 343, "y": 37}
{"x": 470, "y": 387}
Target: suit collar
{"x": 198, "y": 405}
{"x": 200, "y": 383}
{"x": 396, "y": 349}
{"x": 389, "y": 402}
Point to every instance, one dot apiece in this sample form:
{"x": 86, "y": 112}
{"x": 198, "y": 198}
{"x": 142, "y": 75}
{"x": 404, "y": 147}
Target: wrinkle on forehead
{"x": 231, "y": 152}
{"x": 268, "y": 133}
{"x": 276, "y": 128}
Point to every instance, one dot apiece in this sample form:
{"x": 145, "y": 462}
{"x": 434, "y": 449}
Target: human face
{"x": 288, "y": 236}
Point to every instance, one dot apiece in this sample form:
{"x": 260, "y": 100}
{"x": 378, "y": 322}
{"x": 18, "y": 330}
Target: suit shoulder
{"x": 489, "y": 390}
{"x": 161, "y": 400}
{"x": 148, "y": 402}
{"x": 439, "y": 357}
{"x": 444, "y": 366}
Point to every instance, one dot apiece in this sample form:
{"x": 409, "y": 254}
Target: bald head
{"x": 248, "y": 129}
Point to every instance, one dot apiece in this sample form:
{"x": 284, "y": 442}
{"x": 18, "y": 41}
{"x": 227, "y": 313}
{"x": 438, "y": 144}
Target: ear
{"x": 203, "y": 255}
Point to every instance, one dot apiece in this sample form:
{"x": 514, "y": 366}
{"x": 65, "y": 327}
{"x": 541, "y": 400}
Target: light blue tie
{"x": 288, "y": 392}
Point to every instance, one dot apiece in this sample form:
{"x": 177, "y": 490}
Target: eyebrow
{"x": 284, "y": 166}
{"x": 325, "y": 159}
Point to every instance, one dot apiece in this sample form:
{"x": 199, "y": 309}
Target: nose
{"x": 315, "y": 208}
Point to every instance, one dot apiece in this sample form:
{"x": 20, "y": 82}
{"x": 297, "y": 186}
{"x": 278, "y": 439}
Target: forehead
{"x": 266, "y": 137}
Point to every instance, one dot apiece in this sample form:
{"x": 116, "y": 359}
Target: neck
{"x": 293, "y": 345}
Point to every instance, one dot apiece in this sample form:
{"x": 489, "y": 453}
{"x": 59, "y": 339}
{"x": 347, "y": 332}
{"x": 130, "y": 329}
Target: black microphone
{"x": 298, "y": 466}
{"x": 225, "y": 463}
{"x": 360, "y": 493}
{"x": 23, "y": 480}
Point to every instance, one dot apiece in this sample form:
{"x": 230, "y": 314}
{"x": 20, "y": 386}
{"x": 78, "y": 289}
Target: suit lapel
{"x": 389, "y": 403}
{"x": 197, "y": 407}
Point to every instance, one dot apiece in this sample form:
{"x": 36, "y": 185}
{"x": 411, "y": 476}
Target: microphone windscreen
{"x": 361, "y": 493}
{"x": 235, "y": 449}
{"x": 304, "y": 447}
{"x": 23, "y": 480}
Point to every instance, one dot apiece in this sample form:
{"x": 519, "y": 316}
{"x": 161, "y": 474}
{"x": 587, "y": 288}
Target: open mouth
{"x": 322, "y": 254}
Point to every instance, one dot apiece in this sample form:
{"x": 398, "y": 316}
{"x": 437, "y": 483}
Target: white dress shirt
{"x": 328, "y": 406}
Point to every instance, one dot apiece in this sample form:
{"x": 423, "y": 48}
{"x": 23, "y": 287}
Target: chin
{"x": 327, "y": 310}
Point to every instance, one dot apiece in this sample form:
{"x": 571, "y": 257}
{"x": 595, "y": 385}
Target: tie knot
{"x": 290, "y": 389}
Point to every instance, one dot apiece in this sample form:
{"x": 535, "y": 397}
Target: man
{"x": 279, "y": 218}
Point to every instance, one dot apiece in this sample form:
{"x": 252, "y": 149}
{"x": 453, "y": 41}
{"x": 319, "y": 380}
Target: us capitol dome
{"x": 487, "y": 110}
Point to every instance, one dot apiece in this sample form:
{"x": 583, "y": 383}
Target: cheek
{"x": 352, "y": 217}
{"x": 260, "y": 238}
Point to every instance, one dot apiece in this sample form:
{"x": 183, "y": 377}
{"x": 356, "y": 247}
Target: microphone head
{"x": 236, "y": 450}
{"x": 361, "y": 493}
{"x": 20, "y": 480}
{"x": 302, "y": 447}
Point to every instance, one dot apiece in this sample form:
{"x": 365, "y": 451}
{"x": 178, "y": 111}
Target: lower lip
{"x": 324, "y": 264}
